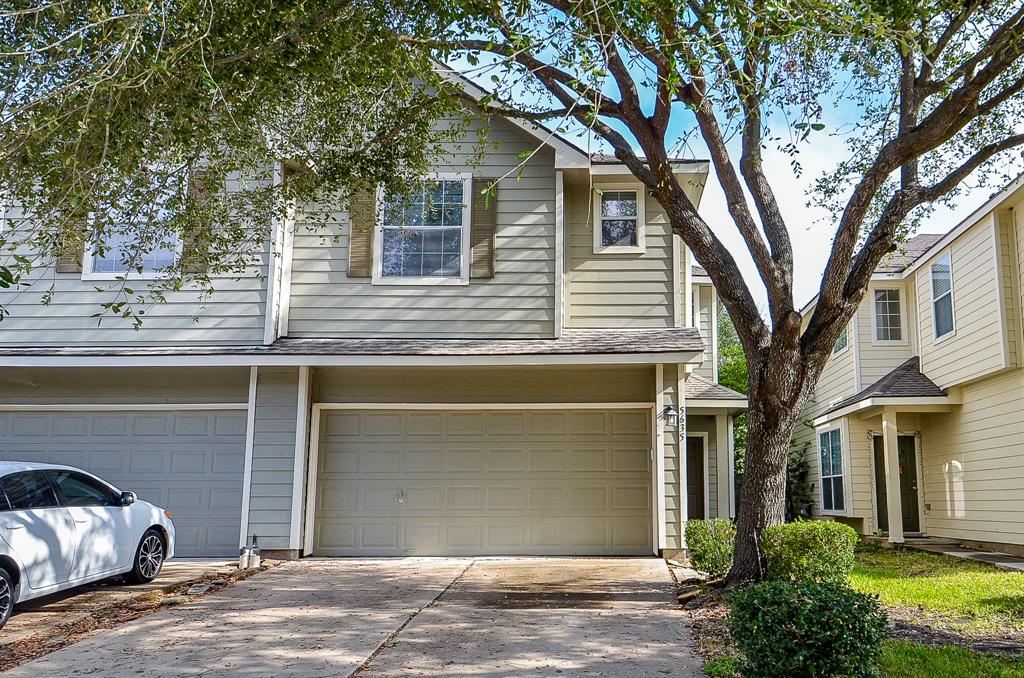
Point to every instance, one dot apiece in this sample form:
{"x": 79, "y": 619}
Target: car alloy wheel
{"x": 151, "y": 556}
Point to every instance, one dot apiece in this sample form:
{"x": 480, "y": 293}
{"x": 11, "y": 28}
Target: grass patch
{"x": 945, "y": 591}
{"x": 722, "y": 667}
{"x": 900, "y": 659}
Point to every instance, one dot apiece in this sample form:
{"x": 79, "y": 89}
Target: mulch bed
{"x": 111, "y": 616}
{"x": 1011, "y": 645}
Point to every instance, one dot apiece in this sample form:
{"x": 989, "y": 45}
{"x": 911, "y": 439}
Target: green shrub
{"x": 814, "y": 550}
{"x": 806, "y": 629}
{"x": 711, "y": 544}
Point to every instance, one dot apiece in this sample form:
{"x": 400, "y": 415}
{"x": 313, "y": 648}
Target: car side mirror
{"x": 127, "y": 498}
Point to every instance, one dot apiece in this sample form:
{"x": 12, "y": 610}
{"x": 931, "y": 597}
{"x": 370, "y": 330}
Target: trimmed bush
{"x": 711, "y": 544}
{"x": 806, "y": 629}
{"x": 811, "y": 550}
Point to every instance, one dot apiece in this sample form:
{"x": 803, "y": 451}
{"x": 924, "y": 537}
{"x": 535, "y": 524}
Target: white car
{"x": 62, "y": 527}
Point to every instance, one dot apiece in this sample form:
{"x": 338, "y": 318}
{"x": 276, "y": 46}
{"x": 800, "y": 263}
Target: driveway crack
{"x": 408, "y": 620}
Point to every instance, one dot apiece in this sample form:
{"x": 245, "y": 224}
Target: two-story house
{"x": 528, "y": 373}
{"x": 917, "y": 423}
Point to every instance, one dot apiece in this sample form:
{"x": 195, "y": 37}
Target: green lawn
{"x": 943, "y": 591}
{"x": 909, "y": 660}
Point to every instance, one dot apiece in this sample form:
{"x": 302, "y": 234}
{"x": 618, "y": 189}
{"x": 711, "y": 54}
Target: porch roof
{"x": 905, "y": 386}
{"x": 704, "y": 393}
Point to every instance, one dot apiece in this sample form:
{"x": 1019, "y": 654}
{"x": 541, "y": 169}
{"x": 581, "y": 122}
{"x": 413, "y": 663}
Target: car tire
{"x": 149, "y": 558}
{"x": 7, "y": 593}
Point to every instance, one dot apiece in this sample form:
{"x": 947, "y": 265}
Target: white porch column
{"x": 684, "y": 499}
{"x": 890, "y": 442}
{"x": 723, "y": 456}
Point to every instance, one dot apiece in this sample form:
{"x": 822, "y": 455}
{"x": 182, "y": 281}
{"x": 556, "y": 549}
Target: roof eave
{"x": 906, "y": 403}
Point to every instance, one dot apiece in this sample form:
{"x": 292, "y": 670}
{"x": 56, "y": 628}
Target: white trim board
{"x": 292, "y": 360}
{"x": 299, "y": 462}
{"x": 119, "y": 407}
{"x": 250, "y": 437}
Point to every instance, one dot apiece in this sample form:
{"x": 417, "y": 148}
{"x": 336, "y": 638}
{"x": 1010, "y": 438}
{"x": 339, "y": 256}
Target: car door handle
{"x": 81, "y": 521}
{"x": 14, "y": 526}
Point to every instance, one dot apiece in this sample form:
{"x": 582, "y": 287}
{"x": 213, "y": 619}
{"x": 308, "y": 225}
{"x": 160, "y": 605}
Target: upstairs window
{"x": 942, "y": 297}
{"x": 619, "y": 227}
{"x": 842, "y": 342}
{"x": 118, "y": 258}
{"x": 830, "y": 446}
{"x": 888, "y": 316}
{"x": 424, "y": 235}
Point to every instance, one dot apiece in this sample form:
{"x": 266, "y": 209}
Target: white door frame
{"x": 313, "y": 462}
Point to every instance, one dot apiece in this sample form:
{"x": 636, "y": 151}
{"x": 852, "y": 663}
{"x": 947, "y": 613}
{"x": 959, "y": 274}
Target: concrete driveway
{"x": 420, "y": 617}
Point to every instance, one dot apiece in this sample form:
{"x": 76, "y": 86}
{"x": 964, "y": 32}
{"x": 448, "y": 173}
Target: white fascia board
{"x": 247, "y": 360}
{"x": 699, "y": 167}
{"x": 736, "y": 404}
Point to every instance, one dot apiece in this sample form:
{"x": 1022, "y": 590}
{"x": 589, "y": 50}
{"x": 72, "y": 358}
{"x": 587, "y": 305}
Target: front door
{"x": 695, "y": 478}
{"x": 907, "y": 447}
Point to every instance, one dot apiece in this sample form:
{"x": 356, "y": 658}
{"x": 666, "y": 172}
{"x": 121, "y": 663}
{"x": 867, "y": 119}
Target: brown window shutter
{"x": 482, "y": 229}
{"x": 363, "y": 220}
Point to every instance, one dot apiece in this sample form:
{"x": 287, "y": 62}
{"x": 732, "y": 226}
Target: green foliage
{"x": 732, "y": 373}
{"x": 900, "y": 659}
{"x": 809, "y": 550}
{"x": 806, "y": 629}
{"x": 711, "y": 544}
{"x": 945, "y": 592}
{"x": 162, "y": 123}
{"x": 722, "y": 667}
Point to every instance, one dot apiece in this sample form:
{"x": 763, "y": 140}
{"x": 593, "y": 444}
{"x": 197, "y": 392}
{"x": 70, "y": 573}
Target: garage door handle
{"x": 14, "y": 526}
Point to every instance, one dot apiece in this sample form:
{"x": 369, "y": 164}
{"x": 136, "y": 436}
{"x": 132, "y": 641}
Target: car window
{"x": 81, "y": 490}
{"x": 28, "y": 490}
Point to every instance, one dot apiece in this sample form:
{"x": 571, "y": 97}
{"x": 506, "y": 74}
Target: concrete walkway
{"x": 422, "y": 617}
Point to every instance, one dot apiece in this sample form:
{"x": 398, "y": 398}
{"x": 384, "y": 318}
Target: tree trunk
{"x": 775, "y": 401}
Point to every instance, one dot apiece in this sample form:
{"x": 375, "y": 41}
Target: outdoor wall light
{"x": 671, "y": 416}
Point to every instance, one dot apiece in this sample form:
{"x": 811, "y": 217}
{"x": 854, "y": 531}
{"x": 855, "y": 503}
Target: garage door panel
{"x": 189, "y": 462}
{"x": 484, "y": 482}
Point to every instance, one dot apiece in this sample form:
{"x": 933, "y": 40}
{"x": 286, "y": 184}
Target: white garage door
{"x": 189, "y": 462}
{"x": 484, "y": 482}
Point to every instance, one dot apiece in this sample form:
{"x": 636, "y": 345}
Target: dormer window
{"x": 619, "y": 226}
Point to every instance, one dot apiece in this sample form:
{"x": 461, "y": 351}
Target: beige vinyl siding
{"x": 618, "y": 290}
{"x": 123, "y": 385}
{"x": 879, "y": 358}
{"x": 704, "y": 303}
{"x": 837, "y": 381}
{"x": 233, "y": 314}
{"x": 974, "y": 463}
{"x": 485, "y": 385}
{"x": 1018, "y": 229}
{"x": 273, "y": 456}
{"x": 976, "y": 348}
{"x": 517, "y": 301}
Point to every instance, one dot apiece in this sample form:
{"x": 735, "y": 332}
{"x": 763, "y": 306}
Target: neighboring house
{"x": 503, "y": 381}
{"x": 917, "y": 423}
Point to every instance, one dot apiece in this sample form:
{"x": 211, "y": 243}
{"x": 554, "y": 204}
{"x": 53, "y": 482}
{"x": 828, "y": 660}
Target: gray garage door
{"x": 189, "y": 462}
{"x": 542, "y": 482}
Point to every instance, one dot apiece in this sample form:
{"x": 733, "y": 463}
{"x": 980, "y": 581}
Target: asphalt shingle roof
{"x": 572, "y": 342}
{"x": 908, "y": 252}
{"x": 699, "y": 388}
{"x": 906, "y": 381}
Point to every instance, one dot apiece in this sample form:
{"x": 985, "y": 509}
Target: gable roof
{"x": 906, "y": 381}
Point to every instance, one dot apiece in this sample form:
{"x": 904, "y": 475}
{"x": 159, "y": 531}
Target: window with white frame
{"x": 619, "y": 226}
{"x": 120, "y": 256}
{"x": 888, "y": 316}
{"x": 942, "y": 296}
{"x": 830, "y": 447}
{"x": 842, "y": 342}
{"x": 425, "y": 232}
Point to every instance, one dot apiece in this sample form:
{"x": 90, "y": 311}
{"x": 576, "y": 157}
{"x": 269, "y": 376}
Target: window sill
{"x": 621, "y": 249}
{"x": 890, "y": 342}
{"x": 416, "y": 282}
{"x": 944, "y": 337}
{"x": 110, "y": 277}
